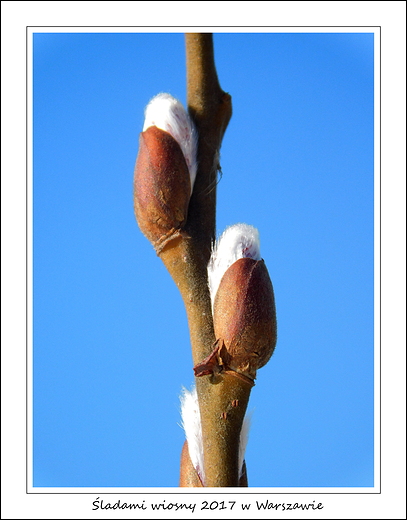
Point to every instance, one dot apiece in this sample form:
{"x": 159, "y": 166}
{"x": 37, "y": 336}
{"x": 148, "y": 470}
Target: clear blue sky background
{"x": 111, "y": 342}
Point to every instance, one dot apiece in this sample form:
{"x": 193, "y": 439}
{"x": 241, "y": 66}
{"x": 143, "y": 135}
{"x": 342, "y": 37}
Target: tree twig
{"x": 223, "y": 401}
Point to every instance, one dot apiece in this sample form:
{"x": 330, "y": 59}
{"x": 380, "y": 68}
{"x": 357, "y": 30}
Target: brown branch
{"x": 182, "y": 231}
{"x": 187, "y": 259}
{"x": 222, "y": 400}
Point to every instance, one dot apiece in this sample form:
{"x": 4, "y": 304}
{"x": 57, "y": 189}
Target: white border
{"x": 181, "y": 30}
{"x": 126, "y": 490}
{"x": 30, "y": 245}
{"x": 391, "y": 17}
{"x": 377, "y": 265}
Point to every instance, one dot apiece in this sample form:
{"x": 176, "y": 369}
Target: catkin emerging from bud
{"x": 191, "y": 423}
{"x": 165, "y": 170}
{"x": 167, "y": 113}
{"x": 237, "y": 241}
{"x": 244, "y": 314}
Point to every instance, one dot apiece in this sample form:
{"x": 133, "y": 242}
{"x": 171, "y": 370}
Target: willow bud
{"x": 244, "y": 314}
{"x": 165, "y": 170}
{"x": 192, "y": 467}
{"x": 188, "y": 475}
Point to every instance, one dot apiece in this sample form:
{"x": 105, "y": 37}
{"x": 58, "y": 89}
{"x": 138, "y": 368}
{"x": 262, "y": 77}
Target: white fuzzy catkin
{"x": 191, "y": 423}
{"x": 237, "y": 241}
{"x": 167, "y": 113}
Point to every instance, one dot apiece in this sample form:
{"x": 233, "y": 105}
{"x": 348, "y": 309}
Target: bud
{"x": 191, "y": 423}
{"x": 188, "y": 475}
{"x": 244, "y": 314}
{"x": 192, "y": 468}
{"x": 165, "y": 170}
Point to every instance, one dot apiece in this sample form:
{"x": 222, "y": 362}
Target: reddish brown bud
{"x": 162, "y": 187}
{"x": 245, "y": 316}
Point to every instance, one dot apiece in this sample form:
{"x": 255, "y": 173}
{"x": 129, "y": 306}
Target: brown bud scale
{"x": 245, "y": 316}
{"x": 162, "y": 187}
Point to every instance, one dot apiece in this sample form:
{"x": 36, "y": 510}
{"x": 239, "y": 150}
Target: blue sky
{"x": 110, "y": 338}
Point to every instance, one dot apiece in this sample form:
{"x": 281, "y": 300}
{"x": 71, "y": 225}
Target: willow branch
{"x": 222, "y": 402}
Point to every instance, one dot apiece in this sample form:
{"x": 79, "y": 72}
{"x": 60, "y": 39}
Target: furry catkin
{"x": 168, "y": 114}
{"x": 191, "y": 423}
{"x": 237, "y": 241}
{"x": 165, "y": 171}
{"x": 243, "y": 306}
